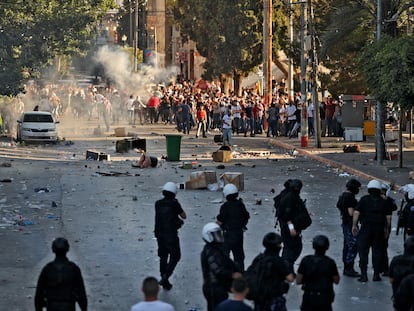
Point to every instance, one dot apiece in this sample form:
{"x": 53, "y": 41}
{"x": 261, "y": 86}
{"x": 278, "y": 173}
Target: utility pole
{"x": 314, "y": 79}
{"x": 380, "y": 148}
{"x": 304, "y": 118}
{"x": 136, "y": 35}
{"x": 267, "y": 52}
{"x": 290, "y": 69}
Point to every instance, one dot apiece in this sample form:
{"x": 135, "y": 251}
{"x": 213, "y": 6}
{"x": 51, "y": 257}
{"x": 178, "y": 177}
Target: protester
{"x": 239, "y": 289}
{"x": 150, "y": 288}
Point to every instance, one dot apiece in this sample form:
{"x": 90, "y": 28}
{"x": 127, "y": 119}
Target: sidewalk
{"x": 362, "y": 164}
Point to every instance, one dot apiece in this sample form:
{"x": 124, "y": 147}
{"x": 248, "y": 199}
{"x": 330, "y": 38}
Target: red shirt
{"x": 201, "y": 115}
{"x": 153, "y": 102}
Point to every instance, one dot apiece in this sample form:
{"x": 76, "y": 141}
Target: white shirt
{"x": 227, "y": 121}
{"x": 291, "y": 112}
{"x": 156, "y": 305}
{"x": 236, "y": 109}
{"x": 310, "y": 110}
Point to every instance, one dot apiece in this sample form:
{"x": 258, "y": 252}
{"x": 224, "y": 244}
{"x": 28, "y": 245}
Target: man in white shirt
{"x": 227, "y": 128}
{"x": 150, "y": 288}
{"x": 291, "y": 117}
{"x": 311, "y": 127}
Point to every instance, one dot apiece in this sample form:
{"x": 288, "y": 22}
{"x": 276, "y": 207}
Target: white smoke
{"x": 119, "y": 68}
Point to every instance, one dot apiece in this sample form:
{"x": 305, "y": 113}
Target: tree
{"x": 345, "y": 27}
{"x": 34, "y": 33}
{"x": 228, "y": 33}
{"x": 388, "y": 66}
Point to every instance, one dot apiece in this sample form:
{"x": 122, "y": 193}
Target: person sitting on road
{"x": 146, "y": 161}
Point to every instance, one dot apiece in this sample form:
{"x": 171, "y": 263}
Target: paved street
{"x": 108, "y": 220}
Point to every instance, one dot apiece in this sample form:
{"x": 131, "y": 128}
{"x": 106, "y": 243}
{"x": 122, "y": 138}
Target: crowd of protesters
{"x": 197, "y": 107}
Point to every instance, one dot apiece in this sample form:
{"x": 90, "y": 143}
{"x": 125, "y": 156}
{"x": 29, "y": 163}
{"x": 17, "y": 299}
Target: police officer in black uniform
{"x": 346, "y": 205}
{"x": 273, "y": 278}
{"x": 318, "y": 273}
{"x": 287, "y": 211}
{"x": 391, "y": 206}
{"x": 408, "y": 211}
{"x": 371, "y": 211}
{"x": 60, "y": 283}
{"x": 169, "y": 217}
{"x": 233, "y": 218}
{"x": 403, "y": 297}
{"x": 400, "y": 265}
{"x": 218, "y": 269}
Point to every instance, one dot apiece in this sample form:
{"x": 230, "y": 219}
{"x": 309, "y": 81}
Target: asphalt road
{"x": 108, "y": 220}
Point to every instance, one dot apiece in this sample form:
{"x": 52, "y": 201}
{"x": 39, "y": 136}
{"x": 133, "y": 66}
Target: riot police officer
{"x": 391, "y": 206}
{"x": 60, "y": 283}
{"x": 169, "y": 217}
{"x": 318, "y": 273}
{"x": 287, "y": 212}
{"x": 218, "y": 269}
{"x": 400, "y": 265}
{"x": 346, "y": 205}
{"x": 372, "y": 213}
{"x": 408, "y": 212}
{"x": 270, "y": 273}
{"x": 233, "y": 218}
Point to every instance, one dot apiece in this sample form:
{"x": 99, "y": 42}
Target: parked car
{"x": 36, "y": 126}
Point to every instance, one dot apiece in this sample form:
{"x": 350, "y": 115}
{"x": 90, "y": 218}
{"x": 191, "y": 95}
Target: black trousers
{"x": 169, "y": 253}
{"x": 313, "y": 301}
{"x": 233, "y": 239}
{"x": 214, "y": 294}
{"x": 292, "y": 245}
{"x": 371, "y": 237}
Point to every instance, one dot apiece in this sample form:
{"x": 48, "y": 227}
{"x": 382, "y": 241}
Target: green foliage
{"x": 345, "y": 28}
{"x": 32, "y": 33}
{"x": 388, "y": 66}
{"x": 228, "y": 33}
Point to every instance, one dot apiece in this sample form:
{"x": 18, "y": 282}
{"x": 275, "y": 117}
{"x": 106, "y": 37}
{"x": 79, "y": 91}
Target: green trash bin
{"x": 173, "y": 147}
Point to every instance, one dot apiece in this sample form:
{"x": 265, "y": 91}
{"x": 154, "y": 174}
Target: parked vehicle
{"x": 36, "y": 126}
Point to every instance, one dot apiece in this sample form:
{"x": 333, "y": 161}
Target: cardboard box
{"x": 120, "y": 132}
{"x": 222, "y": 155}
{"x": 201, "y": 179}
{"x": 234, "y": 178}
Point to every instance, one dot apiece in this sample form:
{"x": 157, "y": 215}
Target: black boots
{"x": 364, "y": 277}
{"x": 165, "y": 283}
{"x": 376, "y": 277}
{"x": 349, "y": 271}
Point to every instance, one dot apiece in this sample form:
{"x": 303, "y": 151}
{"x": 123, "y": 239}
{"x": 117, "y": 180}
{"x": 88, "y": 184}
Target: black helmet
{"x": 320, "y": 243}
{"x": 296, "y": 185}
{"x": 353, "y": 185}
{"x": 272, "y": 240}
{"x": 287, "y": 183}
{"x": 60, "y": 246}
{"x": 409, "y": 245}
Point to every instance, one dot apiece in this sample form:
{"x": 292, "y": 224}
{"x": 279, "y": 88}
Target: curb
{"x": 328, "y": 162}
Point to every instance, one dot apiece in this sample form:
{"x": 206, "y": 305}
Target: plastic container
{"x": 173, "y": 147}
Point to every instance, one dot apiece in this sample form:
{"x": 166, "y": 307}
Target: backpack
{"x": 303, "y": 219}
{"x": 257, "y": 278}
{"x": 254, "y": 276}
{"x": 276, "y": 204}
